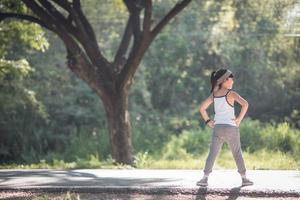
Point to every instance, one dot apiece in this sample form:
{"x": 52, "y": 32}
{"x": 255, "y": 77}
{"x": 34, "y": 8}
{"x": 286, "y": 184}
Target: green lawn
{"x": 257, "y": 160}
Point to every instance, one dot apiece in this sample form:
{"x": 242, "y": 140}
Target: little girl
{"x": 225, "y": 125}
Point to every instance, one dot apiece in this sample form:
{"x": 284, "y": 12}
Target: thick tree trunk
{"x": 120, "y": 129}
{"x": 111, "y": 81}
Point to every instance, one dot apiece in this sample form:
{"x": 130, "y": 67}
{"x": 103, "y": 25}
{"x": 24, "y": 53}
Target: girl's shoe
{"x": 246, "y": 181}
{"x": 203, "y": 182}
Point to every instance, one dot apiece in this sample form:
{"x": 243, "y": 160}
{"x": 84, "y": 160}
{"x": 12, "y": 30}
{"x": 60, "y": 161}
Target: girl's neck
{"x": 221, "y": 91}
{"x": 224, "y": 89}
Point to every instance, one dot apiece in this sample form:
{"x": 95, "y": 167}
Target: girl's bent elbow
{"x": 201, "y": 109}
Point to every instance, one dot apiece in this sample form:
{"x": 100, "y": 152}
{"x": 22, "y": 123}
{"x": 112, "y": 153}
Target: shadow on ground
{"x": 62, "y": 178}
{"x": 234, "y": 193}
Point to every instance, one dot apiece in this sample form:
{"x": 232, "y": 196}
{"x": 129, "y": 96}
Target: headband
{"x": 224, "y": 76}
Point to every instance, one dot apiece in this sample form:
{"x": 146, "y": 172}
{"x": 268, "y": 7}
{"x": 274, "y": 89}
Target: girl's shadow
{"x": 233, "y": 194}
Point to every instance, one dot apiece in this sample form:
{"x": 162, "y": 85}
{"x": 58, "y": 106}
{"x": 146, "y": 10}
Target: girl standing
{"x": 225, "y": 125}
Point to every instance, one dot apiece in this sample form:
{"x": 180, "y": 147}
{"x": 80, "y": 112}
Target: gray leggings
{"x": 231, "y": 135}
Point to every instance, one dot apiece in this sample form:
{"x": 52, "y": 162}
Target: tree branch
{"x": 147, "y": 17}
{"x": 136, "y": 25}
{"x": 137, "y": 52}
{"x": 172, "y": 13}
{"x": 55, "y": 26}
{"x": 140, "y": 43}
{"x": 29, "y": 18}
{"x": 140, "y": 46}
{"x": 89, "y": 44}
{"x": 134, "y": 11}
{"x": 123, "y": 45}
{"x": 63, "y": 3}
{"x": 59, "y": 18}
{"x": 86, "y": 72}
{"x": 88, "y": 27}
{"x": 41, "y": 13}
{"x": 129, "y": 5}
{"x": 88, "y": 36}
{"x": 49, "y": 17}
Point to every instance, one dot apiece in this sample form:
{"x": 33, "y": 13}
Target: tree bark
{"x": 110, "y": 80}
{"x": 119, "y": 128}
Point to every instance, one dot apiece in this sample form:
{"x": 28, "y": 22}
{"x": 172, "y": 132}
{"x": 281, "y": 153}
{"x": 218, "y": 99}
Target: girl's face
{"x": 228, "y": 83}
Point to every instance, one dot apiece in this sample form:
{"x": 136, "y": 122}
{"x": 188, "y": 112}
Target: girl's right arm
{"x": 244, "y": 104}
{"x": 202, "y": 109}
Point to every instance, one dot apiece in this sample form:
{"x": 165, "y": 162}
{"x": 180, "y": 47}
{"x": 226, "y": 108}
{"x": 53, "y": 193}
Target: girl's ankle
{"x": 205, "y": 175}
{"x": 243, "y": 175}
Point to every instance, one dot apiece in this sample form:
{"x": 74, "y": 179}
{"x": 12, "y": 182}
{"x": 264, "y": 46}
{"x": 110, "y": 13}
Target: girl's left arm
{"x": 244, "y": 104}
{"x": 202, "y": 109}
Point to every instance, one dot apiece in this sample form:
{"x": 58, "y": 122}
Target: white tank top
{"x": 224, "y": 112}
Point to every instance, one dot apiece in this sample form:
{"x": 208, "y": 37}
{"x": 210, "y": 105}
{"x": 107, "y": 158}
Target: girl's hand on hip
{"x": 211, "y": 124}
{"x": 237, "y": 121}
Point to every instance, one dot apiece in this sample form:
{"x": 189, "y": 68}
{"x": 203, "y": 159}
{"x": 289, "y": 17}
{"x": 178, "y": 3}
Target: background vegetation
{"x": 50, "y": 118}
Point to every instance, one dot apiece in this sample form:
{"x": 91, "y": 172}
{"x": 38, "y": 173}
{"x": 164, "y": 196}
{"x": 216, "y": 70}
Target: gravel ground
{"x": 93, "y": 196}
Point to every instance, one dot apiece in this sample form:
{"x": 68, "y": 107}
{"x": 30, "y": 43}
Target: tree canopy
{"x": 249, "y": 37}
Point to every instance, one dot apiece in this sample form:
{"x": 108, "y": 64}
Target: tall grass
{"x": 264, "y": 146}
{"x": 260, "y": 160}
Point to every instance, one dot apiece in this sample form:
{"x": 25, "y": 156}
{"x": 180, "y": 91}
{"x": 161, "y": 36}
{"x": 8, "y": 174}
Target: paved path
{"x": 266, "y": 183}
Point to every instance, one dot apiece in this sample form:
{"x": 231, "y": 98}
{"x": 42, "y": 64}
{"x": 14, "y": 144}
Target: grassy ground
{"x": 257, "y": 160}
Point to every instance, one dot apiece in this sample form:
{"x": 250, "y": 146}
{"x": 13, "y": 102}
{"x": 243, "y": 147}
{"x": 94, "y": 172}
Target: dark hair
{"x": 215, "y": 75}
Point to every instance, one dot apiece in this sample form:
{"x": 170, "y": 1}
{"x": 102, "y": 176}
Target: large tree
{"x": 111, "y": 80}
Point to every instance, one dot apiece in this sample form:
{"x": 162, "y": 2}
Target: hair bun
{"x": 213, "y": 77}
{"x": 213, "y": 74}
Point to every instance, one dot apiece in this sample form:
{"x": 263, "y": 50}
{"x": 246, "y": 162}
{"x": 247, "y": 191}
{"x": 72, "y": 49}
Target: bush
{"x": 148, "y": 136}
{"x": 187, "y": 144}
{"x": 281, "y": 137}
{"x": 142, "y": 160}
{"x": 250, "y": 133}
{"x": 255, "y": 137}
{"x": 86, "y": 143}
{"x": 174, "y": 149}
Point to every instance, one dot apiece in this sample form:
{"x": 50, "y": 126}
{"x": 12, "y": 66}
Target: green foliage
{"x": 254, "y": 137}
{"x": 174, "y": 150}
{"x": 259, "y": 160}
{"x": 14, "y": 33}
{"x": 142, "y": 160}
{"x": 12, "y": 75}
{"x": 189, "y": 142}
{"x": 50, "y": 116}
{"x": 251, "y": 135}
{"x": 281, "y": 137}
{"x": 147, "y": 135}
{"x": 84, "y": 144}
{"x": 18, "y": 105}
